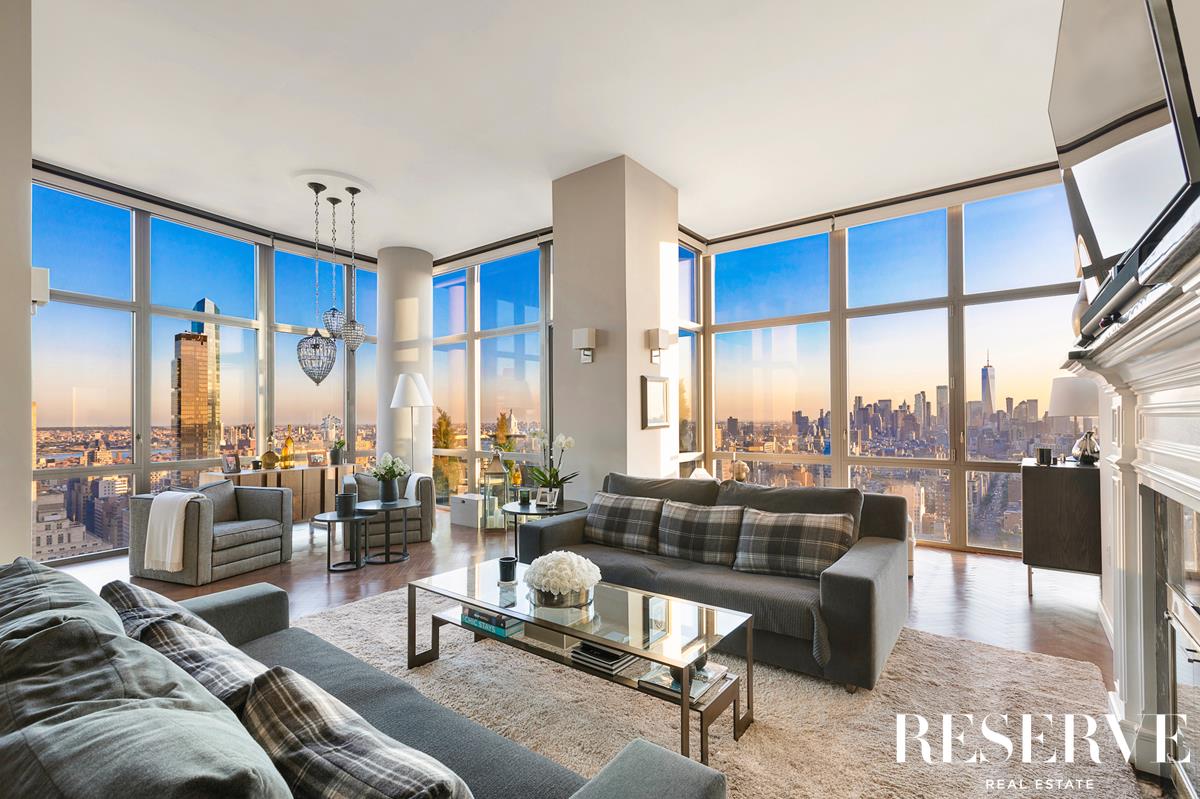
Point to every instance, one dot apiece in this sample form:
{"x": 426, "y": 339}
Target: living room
{"x": 600, "y": 400}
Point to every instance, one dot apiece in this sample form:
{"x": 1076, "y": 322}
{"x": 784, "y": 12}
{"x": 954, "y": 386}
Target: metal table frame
{"x": 387, "y": 509}
{"x": 352, "y": 533}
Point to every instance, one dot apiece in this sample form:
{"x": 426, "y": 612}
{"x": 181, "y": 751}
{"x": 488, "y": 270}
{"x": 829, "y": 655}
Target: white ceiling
{"x": 462, "y": 112}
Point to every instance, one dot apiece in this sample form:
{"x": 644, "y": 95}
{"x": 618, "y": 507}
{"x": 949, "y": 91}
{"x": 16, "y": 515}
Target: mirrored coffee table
{"x": 656, "y": 629}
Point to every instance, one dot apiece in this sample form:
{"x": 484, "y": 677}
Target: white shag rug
{"x": 809, "y": 738}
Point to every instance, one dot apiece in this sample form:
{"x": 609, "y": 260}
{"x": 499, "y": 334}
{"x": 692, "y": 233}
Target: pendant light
{"x": 353, "y": 332}
{"x": 315, "y": 352}
{"x": 334, "y": 319}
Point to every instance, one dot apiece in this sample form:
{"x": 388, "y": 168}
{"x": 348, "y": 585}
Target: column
{"x": 16, "y": 153}
{"x": 616, "y": 269}
{"x": 405, "y": 307}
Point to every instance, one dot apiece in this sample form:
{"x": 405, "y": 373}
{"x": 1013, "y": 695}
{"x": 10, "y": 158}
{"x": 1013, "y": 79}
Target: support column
{"x": 616, "y": 269}
{"x": 16, "y": 155}
{"x": 405, "y": 298}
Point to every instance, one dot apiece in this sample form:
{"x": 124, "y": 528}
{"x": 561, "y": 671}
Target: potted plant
{"x": 388, "y": 471}
{"x": 549, "y": 474}
{"x": 335, "y": 454}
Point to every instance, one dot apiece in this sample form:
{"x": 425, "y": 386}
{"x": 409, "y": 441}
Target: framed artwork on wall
{"x": 655, "y": 402}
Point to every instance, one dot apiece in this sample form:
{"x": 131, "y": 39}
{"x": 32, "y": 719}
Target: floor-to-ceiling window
{"x": 489, "y": 373}
{"x": 168, "y": 342}
{"x": 909, "y": 354}
{"x": 690, "y": 359}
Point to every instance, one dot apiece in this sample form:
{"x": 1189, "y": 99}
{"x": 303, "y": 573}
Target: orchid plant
{"x": 549, "y": 474}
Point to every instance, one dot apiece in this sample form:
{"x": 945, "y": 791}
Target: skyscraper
{"x": 943, "y": 406}
{"x": 988, "y": 375}
{"x": 213, "y": 333}
{"x": 190, "y": 416}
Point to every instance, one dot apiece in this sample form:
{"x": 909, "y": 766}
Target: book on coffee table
{"x": 601, "y": 658}
{"x": 659, "y": 680}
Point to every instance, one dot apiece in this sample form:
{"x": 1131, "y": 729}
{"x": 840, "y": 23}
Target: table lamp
{"x": 1077, "y": 397}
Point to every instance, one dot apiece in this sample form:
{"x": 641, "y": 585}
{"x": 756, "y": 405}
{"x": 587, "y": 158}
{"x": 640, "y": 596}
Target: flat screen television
{"x": 1123, "y": 114}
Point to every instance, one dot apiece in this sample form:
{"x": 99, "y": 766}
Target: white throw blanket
{"x": 164, "y": 530}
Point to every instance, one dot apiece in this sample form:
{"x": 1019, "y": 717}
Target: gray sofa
{"x": 89, "y": 749}
{"x": 420, "y": 522}
{"x": 859, "y": 603}
{"x": 230, "y": 530}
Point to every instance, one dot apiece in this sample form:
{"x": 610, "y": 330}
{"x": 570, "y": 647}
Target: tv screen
{"x": 1112, "y": 126}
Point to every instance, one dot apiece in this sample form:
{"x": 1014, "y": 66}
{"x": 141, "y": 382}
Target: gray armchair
{"x": 229, "y": 530}
{"x": 420, "y": 522}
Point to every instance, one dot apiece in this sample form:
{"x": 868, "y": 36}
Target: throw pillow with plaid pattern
{"x": 792, "y": 544}
{"x": 139, "y": 606}
{"x": 324, "y": 749}
{"x": 226, "y": 671}
{"x": 703, "y": 533}
{"x": 625, "y": 522}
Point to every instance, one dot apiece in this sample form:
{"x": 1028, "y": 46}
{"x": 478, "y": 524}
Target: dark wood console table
{"x": 1060, "y": 517}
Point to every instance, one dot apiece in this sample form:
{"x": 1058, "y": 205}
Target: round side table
{"x": 375, "y": 506}
{"x": 516, "y": 511}
{"x": 352, "y": 531}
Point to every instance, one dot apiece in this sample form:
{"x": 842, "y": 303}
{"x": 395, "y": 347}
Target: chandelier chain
{"x": 317, "y": 256}
{"x": 333, "y": 260}
{"x": 352, "y": 298}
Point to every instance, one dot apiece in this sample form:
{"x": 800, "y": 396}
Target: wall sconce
{"x": 584, "y": 340}
{"x": 658, "y": 340}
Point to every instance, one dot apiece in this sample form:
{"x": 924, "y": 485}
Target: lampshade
{"x": 411, "y": 392}
{"x": 700, "y": 473}
{"x": 1074, "y": 396}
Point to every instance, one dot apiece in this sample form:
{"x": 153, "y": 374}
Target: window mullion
{"x": 958, "y": 402}
{"x": 142, "y": 430}
{"x": 838, "y": 403}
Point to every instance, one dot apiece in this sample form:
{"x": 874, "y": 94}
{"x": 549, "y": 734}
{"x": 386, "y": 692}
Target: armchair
{"x": 415, "y": 486}
{"x": 229, "y": 530}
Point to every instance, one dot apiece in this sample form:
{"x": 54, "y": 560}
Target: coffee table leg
{"x": 416, "y": 658}
{"x": 740, "y": 723}
{"x": 685, "y": 694}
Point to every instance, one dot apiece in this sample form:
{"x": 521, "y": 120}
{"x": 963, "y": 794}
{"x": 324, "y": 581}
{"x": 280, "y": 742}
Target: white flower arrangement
{"x": 562, "y": 572}
{"x": 389, "y": 468}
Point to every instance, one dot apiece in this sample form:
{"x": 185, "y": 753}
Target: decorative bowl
{"x": 572, "y": 599}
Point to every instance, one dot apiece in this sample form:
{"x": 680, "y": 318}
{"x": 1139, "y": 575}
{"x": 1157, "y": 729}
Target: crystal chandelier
{"x": 353, "y": 332}
{"x": 315, "y": 352}
{"x": 334, "y": 319}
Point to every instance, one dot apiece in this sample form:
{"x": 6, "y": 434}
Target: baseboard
{"x": 1107, "y": 624}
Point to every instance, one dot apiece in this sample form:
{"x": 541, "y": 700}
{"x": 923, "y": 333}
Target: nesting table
{"x": 356, "y": 535}
{"x": 402, "y": 507}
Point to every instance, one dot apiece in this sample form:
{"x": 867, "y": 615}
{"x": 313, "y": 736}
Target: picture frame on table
{"x": 318, "y": 459}
{"x": 546, "y": 496}
{"x": 231, "y": 464}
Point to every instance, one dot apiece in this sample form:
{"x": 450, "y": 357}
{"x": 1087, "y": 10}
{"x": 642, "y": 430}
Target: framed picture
{"x": 543, "y": 496}
{"x": 552, "y": 497}
{"x": 655, "y": 401}
{"x": 317, "y": 459}
{"x": 230, "y": 464}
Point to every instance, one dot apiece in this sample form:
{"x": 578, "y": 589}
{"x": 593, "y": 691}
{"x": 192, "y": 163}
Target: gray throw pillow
{"x": 625, "y": 522}
{"x": 703, "y": 533}
{"x": 792, "y": 544}
{"x": 324, "y": 749}
{"x": 223, "y": 497}
{"x": 368, "y": 487}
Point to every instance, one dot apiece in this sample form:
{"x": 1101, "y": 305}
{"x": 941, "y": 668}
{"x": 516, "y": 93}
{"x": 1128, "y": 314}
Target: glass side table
{"x": 374, "y": 507}
{"x": 353, "y": 532}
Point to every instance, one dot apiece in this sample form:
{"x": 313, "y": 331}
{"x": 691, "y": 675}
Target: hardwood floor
{"x": 977, "y": 597}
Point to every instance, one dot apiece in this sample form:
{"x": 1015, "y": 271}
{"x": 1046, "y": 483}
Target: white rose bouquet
{"x": 562, "y": 572}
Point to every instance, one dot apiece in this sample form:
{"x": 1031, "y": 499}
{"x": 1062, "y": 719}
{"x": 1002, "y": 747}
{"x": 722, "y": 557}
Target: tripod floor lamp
{"x": 412, "y": 392}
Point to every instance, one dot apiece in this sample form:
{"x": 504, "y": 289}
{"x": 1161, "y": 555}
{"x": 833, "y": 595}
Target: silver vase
{"x": 574, "y": 599}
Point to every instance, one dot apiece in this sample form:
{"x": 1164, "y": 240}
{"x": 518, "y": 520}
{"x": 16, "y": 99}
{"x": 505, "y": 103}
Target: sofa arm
{"x": 245, "y": 613}
{"x": 349, "y": 484}
{"x": 537, "y": 537}
{"x": 643, "y": 770}
{"x": 864, "y": 602}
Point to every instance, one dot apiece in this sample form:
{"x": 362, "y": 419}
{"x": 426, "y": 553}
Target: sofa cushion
{"x": 793, "y": 500}
{"x": 623, "y": 521}
{"x": 324, "y": 749}
{"x": 235, "y": 533}
{"x": 226, "y": 671}
{"x": 492, "y": 766}
{"x": 792, "y": 544}
{"x": 623, "y": 567}
{"x": 221, "y": 557}
{"x": 137, "y": 607}
{"x": 30, "y": 590}
{"x": 703, "y": 533}
{"x": 697, "y": 492}
{"x": 77, "y": 684}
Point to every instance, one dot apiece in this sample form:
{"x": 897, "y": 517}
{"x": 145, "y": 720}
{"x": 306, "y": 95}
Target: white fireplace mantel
{"x": 1148, "y": 369}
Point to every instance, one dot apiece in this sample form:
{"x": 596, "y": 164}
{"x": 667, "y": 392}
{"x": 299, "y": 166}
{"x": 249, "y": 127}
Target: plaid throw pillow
{"x": 226, "y": 671}
{"x": 792, "y": 544}
{"x": 703, "y": 533}
{"x": 625, "y": 522}
{"x": 138, "y": 606}
{"x": 324, "y": 749}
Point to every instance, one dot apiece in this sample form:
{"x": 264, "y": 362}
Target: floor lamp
{"x": 412, "y": 392}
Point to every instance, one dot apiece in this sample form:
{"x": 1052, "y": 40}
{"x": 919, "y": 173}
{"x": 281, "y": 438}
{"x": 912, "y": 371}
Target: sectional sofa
{"x": 849, "y": 617}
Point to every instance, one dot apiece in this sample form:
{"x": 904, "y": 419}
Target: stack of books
{"x": 494, "y": 623}
{"x": 658, "y": 679}
{"x": 601, "y": 658}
